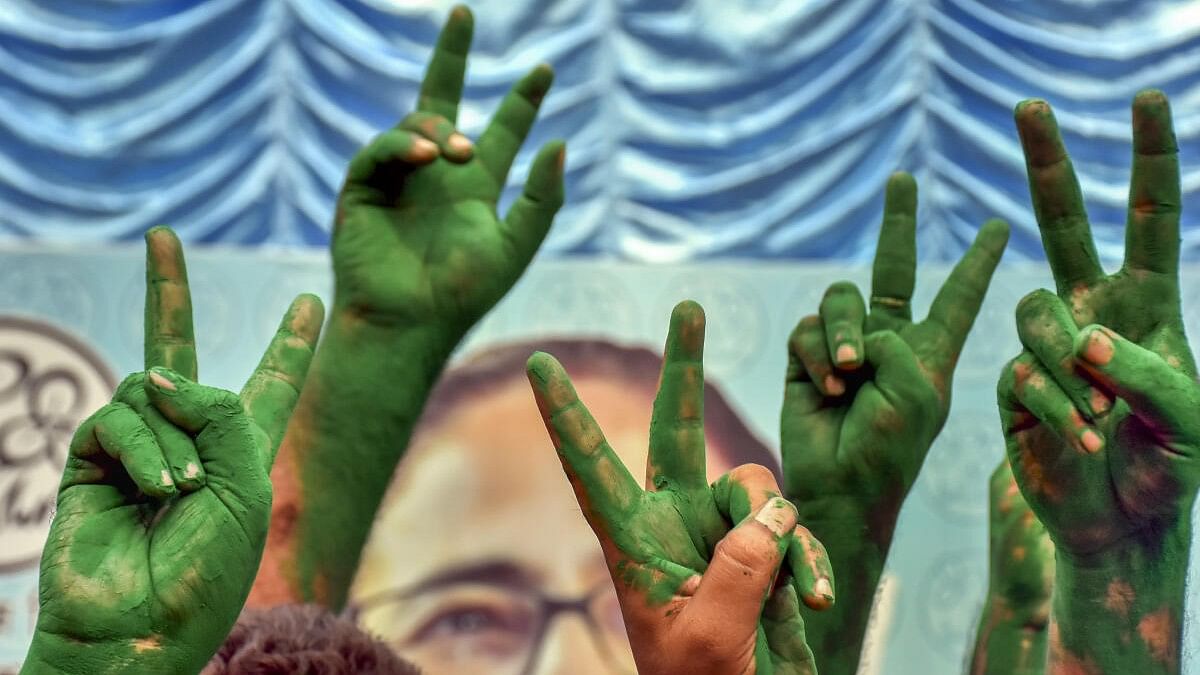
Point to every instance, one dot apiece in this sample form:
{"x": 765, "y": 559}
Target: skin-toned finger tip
{"x": 159, "y": 379}
{"x": 822, "y": 596}
{"x": 461, "y": 146}
{"x": 847, "y": 356}
{"x": 1095, "y": 345}
{"x": 778, "y": 515}
{"x": 834, "y": 385}
{"x": 422, "y": 150}
{"x": 1091, "y": 441}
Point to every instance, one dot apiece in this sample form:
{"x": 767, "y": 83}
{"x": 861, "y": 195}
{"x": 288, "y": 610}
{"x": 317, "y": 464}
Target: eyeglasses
{"x": 488, "y": 628}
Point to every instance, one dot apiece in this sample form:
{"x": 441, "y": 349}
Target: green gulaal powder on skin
{"x": 163, "y": 507}
{"x": 419, "y": 256}
{"x": 1012, "y": 632}
{"x": 1107, "y": 451}
{"x": 659, "y": 542}
{"x": 866, "y": 393}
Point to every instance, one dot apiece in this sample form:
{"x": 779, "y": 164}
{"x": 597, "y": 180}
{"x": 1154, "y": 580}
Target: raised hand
{"x": 417, "y": 239}
{"x": 419, "y": 256}
{"x": 1100, "y": 421}
{"x": 697, "y": 596}
{"x": 163, "y": 509}
{"x": 866, "y": 394}
{"x": 1012, "y": 631}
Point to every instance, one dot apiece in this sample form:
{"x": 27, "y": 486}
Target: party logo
{"x": 49, "y": 383}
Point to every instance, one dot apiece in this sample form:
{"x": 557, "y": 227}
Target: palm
{"x": 417, "y": 237}
{"x": 1122, "y": 490}
{"x": 128, "y": 568}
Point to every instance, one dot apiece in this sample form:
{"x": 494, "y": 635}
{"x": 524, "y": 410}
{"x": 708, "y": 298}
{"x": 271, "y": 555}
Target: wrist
{"x": 1122, "y": 608}
{"x": 851, "y": 523}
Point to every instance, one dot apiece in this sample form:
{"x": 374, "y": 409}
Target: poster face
{"x": 480, "y": 559}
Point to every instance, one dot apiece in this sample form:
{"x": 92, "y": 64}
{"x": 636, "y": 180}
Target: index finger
{"x": 606, "y": 491}
{"x": 270, "y": 394}
{"x": 1057, "y": 199}
{"x": 677, "y": 424}
{"x": 169, "y": 340}
{"x": 441, "y": 90}
{"x": 1152, "y": 230}
{"x": 894, "y": 273}
{"x": 959, "y": 299}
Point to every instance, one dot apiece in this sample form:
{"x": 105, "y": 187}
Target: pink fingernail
{"x": 460, "y": 143}
{"x": 1091, "y": 441}
{"x": 424, "y": 148}
{"x": 1099, "y": 349}
{"x": 823, "y": 588}
{"x": 846, "y": 354}
{"x": 161, "y": 382}
{"x": 834, "y": 385}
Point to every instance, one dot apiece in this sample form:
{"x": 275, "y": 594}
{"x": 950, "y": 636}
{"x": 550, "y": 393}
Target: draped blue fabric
{"x": 696, "y": 128}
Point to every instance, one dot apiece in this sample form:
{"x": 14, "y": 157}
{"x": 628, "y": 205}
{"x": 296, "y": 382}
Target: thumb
{"x": 743, "y": 569}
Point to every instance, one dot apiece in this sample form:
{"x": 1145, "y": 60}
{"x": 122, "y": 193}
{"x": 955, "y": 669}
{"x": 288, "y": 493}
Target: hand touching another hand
{"x": 163, "y": 508}
{"x": 866, "y": 394}
{"x": 695, "y": 565}
{"x": 1101, "y": 424}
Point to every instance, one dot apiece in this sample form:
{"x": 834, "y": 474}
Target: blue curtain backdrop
{"x": 696, "y": 128}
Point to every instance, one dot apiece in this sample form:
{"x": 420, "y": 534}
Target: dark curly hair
{"x": 302, "y": 640}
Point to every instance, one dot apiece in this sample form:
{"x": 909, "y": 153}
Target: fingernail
{"x": 166, "y": 478}
{"x": 191, "y": 471}
{"x": 460, "y": 143}
{"x": 823, "y": 588}
{"x": 777, "y": 516}
{"x": 1099, "y": 402}
{"x": 160, "y": 381}
{"x": 834, "y": 385}
{"x": 423, "y": 147}
{"x": 846, "y": 354}
{"x": 690, "y": 585}
{"x": 1092, "y": 442}
{"x": 1099, "y": 349}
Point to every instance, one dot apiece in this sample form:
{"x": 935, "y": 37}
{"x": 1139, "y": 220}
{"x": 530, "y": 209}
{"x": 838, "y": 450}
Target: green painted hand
{"x": 695, "y": 565}
{"x": 417, "y": 240}
{"x": 1012, "y": 630}
{"x": 419, "y": 256}
{"x": 1101, "y": 428}
{"x": 866, "y": 394}
{"x": 164, "y": 503}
